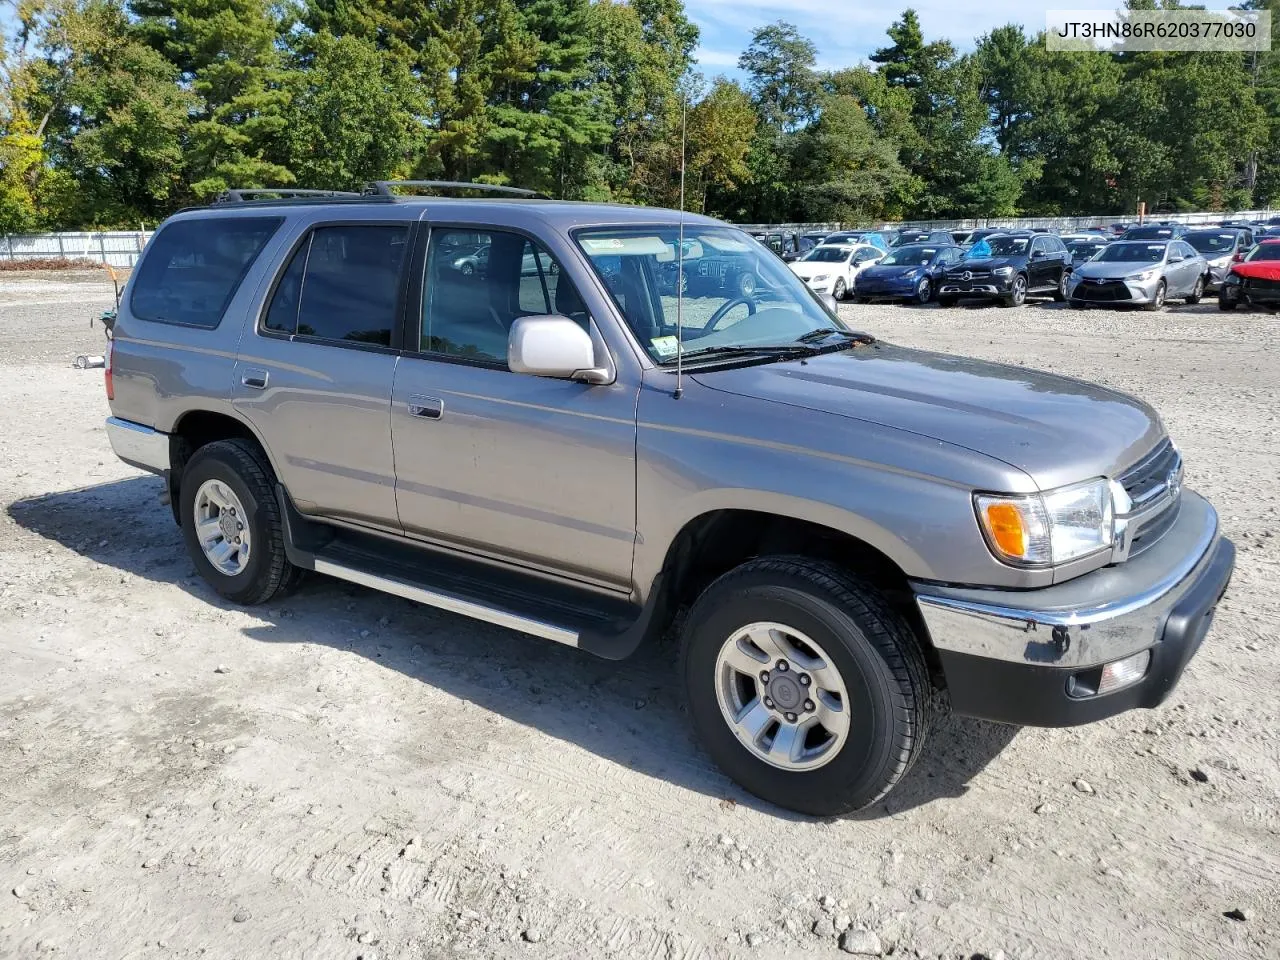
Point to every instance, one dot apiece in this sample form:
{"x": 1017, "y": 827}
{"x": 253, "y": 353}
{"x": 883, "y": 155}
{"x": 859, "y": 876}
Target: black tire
{"x": 924, "y": 291}
{"x": 838, "y": 289}
{"x": 747, "y": 284}
{"x": 1018, "y": 294}
{"x": 1158, "y": 301}
{"x": 241, "y": 465}
{"x": 879, "y": 659}
{"x": 1060, "y": 294}
{"x": 1224, "y": 303}
{"x": 946, "y": 301}
{"x": 1197, "y": 292}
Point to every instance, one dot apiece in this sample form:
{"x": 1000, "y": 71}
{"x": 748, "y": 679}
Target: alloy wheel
{"x": 222, "y": 528}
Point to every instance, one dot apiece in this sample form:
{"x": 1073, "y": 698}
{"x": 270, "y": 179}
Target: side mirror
{"x": 1176, "y": 258}
{"x": 1037, "y": 254}
{"x": 553, "y": 346}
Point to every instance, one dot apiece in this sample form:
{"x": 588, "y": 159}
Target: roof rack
{"x": 240, "y": 195}
{"x": 383, "y": 188}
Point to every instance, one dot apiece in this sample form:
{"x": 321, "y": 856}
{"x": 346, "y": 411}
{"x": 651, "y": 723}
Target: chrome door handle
{"x": 428, "y": 408}
{"x": 255, "y": 378}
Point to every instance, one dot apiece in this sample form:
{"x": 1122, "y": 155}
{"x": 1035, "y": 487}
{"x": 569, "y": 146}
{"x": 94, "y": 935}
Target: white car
{"x": 830, "y": 268}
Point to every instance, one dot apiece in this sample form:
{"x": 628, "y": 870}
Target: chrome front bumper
{"x": 1093, "y": 619}
{"x": 138, "y": 445}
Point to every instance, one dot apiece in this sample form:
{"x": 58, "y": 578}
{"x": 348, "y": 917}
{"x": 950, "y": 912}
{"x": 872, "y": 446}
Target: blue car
{"x": 909, "y": 273}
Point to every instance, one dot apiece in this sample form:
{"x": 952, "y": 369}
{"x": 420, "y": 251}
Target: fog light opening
{"x": 1110, "y": 677}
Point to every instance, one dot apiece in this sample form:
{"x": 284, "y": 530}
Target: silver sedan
{"x": 1140, "y": 272}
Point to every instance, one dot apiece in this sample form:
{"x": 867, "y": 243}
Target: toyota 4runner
{"x": 518, "y": 410}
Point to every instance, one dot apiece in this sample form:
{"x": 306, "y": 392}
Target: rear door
{"x": 314, "y": 374}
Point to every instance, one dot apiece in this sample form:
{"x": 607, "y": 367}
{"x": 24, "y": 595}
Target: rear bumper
{"x": 139, "y": 445}
{"x": 1034, "y": 657}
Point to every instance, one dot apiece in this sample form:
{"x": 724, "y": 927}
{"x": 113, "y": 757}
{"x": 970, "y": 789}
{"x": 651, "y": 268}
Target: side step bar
{"x": 609, "y": 627}
{"x": 444, "y": 601}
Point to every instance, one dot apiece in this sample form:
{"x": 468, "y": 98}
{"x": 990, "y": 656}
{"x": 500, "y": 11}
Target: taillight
{"x": 106, "y": 371}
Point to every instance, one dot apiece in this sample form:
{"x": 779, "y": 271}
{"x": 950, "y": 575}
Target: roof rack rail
{"x": 242, "y": 195}
{"x": 383, "y": 188}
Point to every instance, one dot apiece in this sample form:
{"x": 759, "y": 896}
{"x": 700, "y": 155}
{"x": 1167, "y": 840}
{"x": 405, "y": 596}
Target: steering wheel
{"x": 725, "y": 307}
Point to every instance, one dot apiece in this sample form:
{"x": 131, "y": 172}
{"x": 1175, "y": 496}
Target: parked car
{"x": 1119, "y": 229}
{"x": 1155, "y": 231}
{"x": 1255, "y": 281}
{"x": 1141, "y": 273}
{"x": 1070, "y": 238}
{"x": 872, "y": 238}
{"x": 909, "y": 273}
{"x": 960, "y": 237}
{"x": 830, "y": 268}
{"x": 1008, "y": 267}
{"x": 1084, "y": 250}
{"x": 978, "y": 235}
{"x": 1220, "y": 247}
{"x": 837, "y": 526}
{"x": 905, "y": 237}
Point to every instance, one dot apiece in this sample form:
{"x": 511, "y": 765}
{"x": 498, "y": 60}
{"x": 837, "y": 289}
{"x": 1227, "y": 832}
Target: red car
{"x": 1255, "y": 280}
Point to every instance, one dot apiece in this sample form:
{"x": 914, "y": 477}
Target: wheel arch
{"x": 198, "y": 427}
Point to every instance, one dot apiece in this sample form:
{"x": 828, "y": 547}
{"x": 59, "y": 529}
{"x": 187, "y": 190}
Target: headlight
{"x": 1002, "y": 271}
{"x": 1142, "y": 277}
{"x": 821, "y": 276}
{"x": 1046, "y": 529}
{"x": 910, "y": 274}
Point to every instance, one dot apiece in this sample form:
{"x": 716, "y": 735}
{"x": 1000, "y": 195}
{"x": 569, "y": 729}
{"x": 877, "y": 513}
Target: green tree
{"x": 780, "y": 66}
{"x": 352, "y": 116}
{"x": 850, "y": 174}
{"x": 720, "y": 131}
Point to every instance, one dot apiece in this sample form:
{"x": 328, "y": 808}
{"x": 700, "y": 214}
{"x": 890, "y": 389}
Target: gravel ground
{"x": 347, "y": 775}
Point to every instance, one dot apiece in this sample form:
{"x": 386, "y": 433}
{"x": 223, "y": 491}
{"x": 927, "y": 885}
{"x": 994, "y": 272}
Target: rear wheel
{"x": 1197, "y": 291}
{"x": 231, "y": 522}
{"x": 804, "y": 685}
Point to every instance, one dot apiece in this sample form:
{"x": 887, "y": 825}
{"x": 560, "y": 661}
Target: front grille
{"x": 1107, "y": 291}
{"x": 1146, "y": 480}
{"x": 973, "y": 274}
{"x": 1147, "y": 483}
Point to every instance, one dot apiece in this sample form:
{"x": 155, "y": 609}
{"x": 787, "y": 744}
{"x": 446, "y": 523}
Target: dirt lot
{"x": 347, "y": 775}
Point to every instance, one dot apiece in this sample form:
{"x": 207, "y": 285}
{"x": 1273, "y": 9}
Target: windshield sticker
{"x": 665, "y": 346}
{"x": 627, "y": 246}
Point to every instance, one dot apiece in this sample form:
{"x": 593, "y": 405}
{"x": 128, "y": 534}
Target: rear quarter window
{"x": 192, "y": 268}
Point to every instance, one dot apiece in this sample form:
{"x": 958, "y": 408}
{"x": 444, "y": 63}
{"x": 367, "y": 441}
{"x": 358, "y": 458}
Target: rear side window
{"x": 192, "y": 268}
{"x": 343, "y": 283}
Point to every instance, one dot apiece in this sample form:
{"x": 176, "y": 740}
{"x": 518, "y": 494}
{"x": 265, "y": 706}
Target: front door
{"x": 314, "y": 375}
{"x": 527, "y": 469}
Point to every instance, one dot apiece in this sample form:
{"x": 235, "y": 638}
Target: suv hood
{"x": 987, "y": 263}
{"x": 1056, "y": 429}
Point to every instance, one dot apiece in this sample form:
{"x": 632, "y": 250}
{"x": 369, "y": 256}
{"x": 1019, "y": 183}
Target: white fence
{"x": 118, "y": 249}
{"x": 1052, "y": 223}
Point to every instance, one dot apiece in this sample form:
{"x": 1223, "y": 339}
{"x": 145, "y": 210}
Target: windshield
{"x": 1132, "y": 253}
{"x": 998, "y": 246}
{"x": 1212, "y": 243}
{"x": 1148, "y": 233}
{"x": 829, "y": 255}
{"x": 912, "y": 255}
{"x": 1265, "y": 251}
{"x": 737, "y": 293}
{"x": 1084, "y": 248}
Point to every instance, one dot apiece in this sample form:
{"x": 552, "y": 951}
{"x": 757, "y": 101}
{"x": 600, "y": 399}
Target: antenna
{"x": 684, "y": 113}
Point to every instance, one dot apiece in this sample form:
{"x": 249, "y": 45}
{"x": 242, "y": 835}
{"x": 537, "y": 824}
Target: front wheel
{"x": 838, "y": 290}
{"x": 924, "y": 291}
{"x": 1060, "y": 294}
{"x": 1158, "y": 300}
{"x": 804, "y": 685}
{"x": 746, "y": 284}
{"x": 1197, "y": 291}
{"x": 1017, "y": 294}
{"x": 1224, "y": 303}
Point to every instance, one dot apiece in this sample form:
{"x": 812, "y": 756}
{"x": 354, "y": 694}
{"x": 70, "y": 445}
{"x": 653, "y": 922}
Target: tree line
{"x": 114, "y": 112}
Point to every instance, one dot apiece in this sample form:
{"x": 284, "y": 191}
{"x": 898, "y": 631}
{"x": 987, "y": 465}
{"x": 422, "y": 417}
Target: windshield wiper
{"x": 816, "y": 336}
{"x": 765, "y": 350}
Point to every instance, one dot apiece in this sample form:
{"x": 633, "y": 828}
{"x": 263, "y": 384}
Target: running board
{"x": 445, "y": 601}
{"x": 607, "y": 626}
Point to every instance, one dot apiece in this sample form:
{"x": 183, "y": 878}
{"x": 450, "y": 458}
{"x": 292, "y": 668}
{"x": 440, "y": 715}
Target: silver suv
{"x": 523, "y": 411}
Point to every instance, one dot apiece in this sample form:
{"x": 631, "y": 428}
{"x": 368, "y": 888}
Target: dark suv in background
{"x": 1007, "y": 267}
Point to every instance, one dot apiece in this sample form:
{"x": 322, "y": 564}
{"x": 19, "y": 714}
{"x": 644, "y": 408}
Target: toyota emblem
{"x": 966, "y": 275}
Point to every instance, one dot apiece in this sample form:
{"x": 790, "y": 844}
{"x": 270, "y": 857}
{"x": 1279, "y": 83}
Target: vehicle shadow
{"x": 629, "y": 712}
